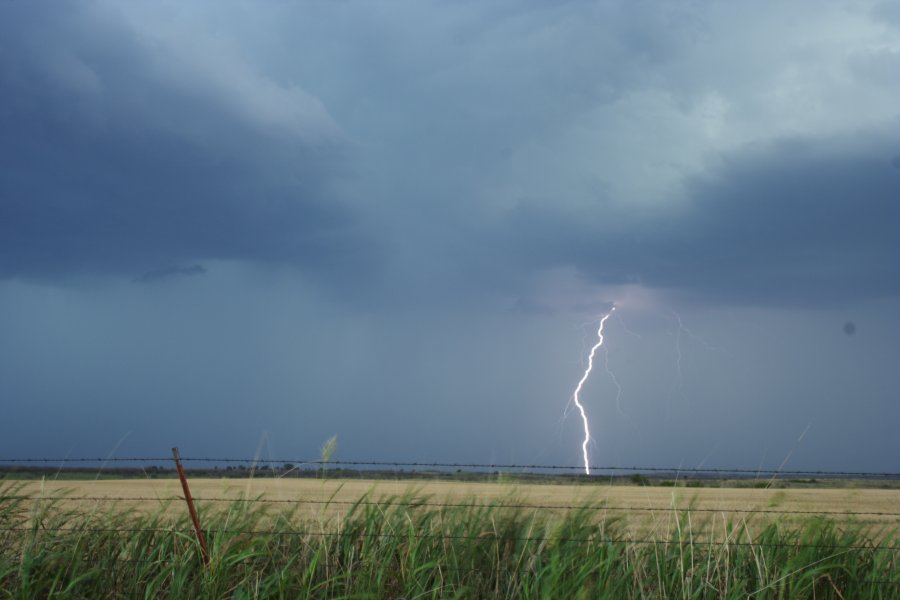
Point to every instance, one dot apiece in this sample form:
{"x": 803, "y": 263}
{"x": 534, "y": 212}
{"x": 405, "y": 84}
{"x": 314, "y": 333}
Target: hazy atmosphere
{"x": 237, "y": 225}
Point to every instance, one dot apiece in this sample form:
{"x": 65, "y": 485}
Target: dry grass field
{"x": 391, "y": 539}
{"x": 645, "y": 510}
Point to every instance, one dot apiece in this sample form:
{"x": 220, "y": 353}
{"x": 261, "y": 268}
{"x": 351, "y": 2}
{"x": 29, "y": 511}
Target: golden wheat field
{"x": 643, "y": 510}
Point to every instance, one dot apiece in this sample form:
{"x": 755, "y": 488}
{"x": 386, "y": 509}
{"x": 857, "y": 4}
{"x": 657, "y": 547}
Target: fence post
{"x": 190, "y": 502}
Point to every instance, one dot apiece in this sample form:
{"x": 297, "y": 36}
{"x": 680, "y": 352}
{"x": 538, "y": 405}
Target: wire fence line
{"x": 576, "y": 469}
{"x": 388, "y": 502}
{"x": 702, "y": 540}
{"x": 684, "y": 542}
{"x": 427, "y": 503}
{"x": 415, "y": 503}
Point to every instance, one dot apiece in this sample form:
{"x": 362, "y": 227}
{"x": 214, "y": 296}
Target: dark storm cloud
{"x": 808, "y": 221}
{"x": 127, "y": 150}
{"x": 117, "y": 158}
{"x": 802, "y": 221}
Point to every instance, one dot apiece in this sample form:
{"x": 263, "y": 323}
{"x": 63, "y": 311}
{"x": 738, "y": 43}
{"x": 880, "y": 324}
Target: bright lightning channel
{"x": 584, "y": 378}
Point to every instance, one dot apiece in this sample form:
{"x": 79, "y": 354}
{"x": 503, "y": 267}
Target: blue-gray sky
{"x": 396, "y": 222}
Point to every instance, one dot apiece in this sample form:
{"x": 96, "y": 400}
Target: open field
{"x": 645, "y": 509}
{"x": 384, "y": 539}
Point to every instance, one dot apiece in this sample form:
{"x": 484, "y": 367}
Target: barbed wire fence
{"x": 524, "y": 468}
{"x": 600, "y": 507}
{"x": 441, "y": 469}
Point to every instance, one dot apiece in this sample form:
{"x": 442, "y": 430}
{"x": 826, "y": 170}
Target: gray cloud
{"x": 798, "y": 221}
{"x": 809, "y": 221}
{"x": 466, "y": 154}
{"x": 118, "y": 158}
{"x": 887, "y": 11}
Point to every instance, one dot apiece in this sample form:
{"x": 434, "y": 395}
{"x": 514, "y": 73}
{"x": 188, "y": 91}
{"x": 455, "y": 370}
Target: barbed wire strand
{"x": 460, "y": 465}
{"x": 428, "y": 504}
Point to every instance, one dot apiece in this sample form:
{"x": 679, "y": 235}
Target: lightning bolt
{"x": 584, "y": 378}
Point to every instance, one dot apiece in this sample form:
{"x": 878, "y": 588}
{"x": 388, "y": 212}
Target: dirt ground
{"x": 645, "y": 509}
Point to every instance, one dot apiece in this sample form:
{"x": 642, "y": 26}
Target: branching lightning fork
{"x": 584, "y": 378}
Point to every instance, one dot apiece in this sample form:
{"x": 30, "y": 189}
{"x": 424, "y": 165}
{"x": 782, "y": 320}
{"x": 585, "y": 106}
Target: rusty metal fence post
{"x": 190, "y": 502}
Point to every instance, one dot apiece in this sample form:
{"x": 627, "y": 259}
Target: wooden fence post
{"x": 190, "y": 502}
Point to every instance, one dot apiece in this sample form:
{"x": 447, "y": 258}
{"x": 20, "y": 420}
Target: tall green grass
{"x": 396, "y": 549}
